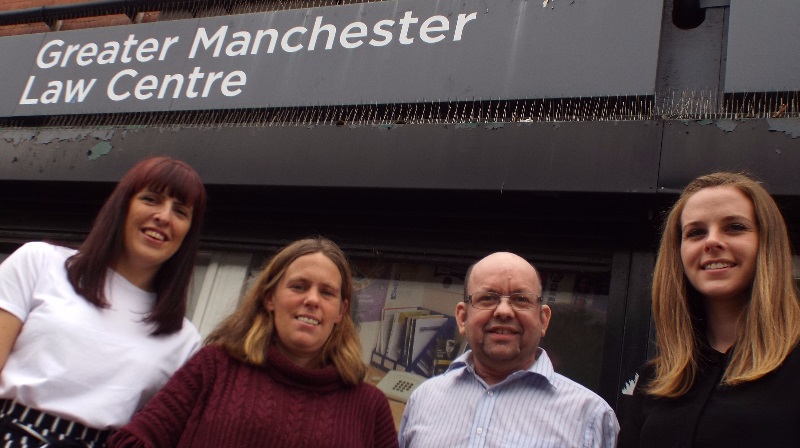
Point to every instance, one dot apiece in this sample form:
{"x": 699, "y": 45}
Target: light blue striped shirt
{"x": 531, "y": 408}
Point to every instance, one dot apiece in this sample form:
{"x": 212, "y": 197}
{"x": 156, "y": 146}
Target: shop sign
{"x": 763, "y": 53}
{"x": 404, "y": 51}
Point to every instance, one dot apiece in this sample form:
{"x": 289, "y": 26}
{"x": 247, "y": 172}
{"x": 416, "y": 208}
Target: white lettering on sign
{"x": 74, "y": 91}
{"x": 54, "y": 53}
{"x": 128, "y": 82}
{"x": 353, "y": 35}
{"x": 131, "y": 84}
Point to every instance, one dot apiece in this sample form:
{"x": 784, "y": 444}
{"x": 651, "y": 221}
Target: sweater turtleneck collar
{"x": 284, "y": 371}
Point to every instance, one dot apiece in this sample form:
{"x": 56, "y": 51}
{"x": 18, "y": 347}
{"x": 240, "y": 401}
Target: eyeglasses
{"x": 519, "y": 301}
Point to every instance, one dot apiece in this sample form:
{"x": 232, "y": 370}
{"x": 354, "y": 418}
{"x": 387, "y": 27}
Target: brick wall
{"x": 68, "y": 24}
{"x": 8, "y": 5}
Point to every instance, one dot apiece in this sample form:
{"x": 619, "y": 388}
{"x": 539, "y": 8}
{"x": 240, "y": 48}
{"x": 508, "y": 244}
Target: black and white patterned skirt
{"x": 24, "y": 427}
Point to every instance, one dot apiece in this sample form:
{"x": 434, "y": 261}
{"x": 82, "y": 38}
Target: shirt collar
{"x": 542, "y": 367}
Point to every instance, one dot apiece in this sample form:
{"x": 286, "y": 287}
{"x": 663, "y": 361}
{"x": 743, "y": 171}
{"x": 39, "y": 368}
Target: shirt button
{"x": 490, "y": 393}
{"x": 479, "y": 431}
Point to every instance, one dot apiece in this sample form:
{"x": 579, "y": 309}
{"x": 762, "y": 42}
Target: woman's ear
{"x": 342, "y": 309}
{"x": 268, "y": 303}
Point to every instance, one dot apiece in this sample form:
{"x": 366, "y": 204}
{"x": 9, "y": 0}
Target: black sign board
{"x": 403, "y": 51}
{"x": 763, "y": 46}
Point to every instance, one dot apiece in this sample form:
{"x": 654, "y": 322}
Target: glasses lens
{"x": 490, "y": 300}
{"x": 486, "y": 300}
{"x": 522, "y": 301}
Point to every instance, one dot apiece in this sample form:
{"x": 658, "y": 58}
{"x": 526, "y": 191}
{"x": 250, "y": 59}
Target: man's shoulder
{"x": 577, "y": 391}
{"x": 438, "y": 384}
{"x": 445, "y": 379}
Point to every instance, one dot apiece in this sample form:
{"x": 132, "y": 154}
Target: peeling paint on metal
{"x": 705, "y": 122}
{"x": 72, "y": 135}
{"x": 466, "y": 125}
{"x": 789, "y": 126}
{"x": 103, "y": 134}
{"x": 17, "y": 137}
{"x": 99, "y": 150}
{"x": 494, "y": 126}
{"x": 59, "y": 135}
{"x": 387, "y": 127}
{"x": 726, "y": 125}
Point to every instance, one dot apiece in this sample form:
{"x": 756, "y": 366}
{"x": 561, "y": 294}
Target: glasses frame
{"x": 468, "y": 299}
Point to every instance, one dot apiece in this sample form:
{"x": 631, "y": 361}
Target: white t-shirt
{"x": 72, "y": 359}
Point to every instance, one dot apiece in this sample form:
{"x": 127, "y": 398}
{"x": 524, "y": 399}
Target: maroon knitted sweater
{"x": 215, "y": 401}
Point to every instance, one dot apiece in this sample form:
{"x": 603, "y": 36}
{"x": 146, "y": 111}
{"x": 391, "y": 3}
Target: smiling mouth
{"x": 308, "y": 320}
{"x": 717, "y": 265}
{"x": 502, "y": 331}
{"x": 155, "y": 235}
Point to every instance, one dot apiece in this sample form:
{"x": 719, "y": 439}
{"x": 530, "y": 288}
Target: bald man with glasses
{"x": 504, "y": 392}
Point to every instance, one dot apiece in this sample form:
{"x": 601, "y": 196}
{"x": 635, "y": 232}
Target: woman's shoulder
{"x": 190, "y": 334}
{"x": 368, "y": 388}
{"x": 792, "y": 361}
{"x": 369, "y": 392}
{"x": 209, "y": 360}
{"x": 212, "y": 352}
{"x": 639, "y": 379}
{"x": 36, "y": 249}
{"x": 35, "y": 258}
{"x": 183, "y": 343}
{"x": 216, "y": 356}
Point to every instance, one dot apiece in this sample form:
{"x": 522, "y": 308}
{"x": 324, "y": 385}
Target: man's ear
{"x": 545, "y": 315}
{"x": 461, "y": 318}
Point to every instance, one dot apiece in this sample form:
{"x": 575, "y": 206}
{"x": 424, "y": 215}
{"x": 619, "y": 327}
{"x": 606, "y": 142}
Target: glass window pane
{"x": 574, "y": 341}
{"x": 392, "y": 297}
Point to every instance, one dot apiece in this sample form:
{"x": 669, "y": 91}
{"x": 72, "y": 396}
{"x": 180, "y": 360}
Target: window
{"x": 397, "y": 303}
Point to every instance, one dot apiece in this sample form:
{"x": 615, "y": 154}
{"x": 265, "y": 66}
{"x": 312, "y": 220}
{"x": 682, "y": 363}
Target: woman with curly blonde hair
{"x": 284, "y": 370}
{"x": 727, "y": 320}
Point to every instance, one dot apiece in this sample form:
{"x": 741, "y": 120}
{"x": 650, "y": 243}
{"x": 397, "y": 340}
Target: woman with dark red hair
{"x": 87, "y": 336}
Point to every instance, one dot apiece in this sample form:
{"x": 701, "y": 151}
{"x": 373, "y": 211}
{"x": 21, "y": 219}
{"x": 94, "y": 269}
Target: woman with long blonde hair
{"x": 284, "y": 370}
{"x": 727, "y": 320}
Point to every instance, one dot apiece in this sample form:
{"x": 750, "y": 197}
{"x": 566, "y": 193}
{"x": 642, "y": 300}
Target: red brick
{"x": 27, "y": 28}
{"x": 150, "y": 17}
{"x": 10, "y": 5}
{"x": 68, "y": 24}
{"x": 95, "y": 22}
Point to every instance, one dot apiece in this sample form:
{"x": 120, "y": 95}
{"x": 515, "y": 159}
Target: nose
{"x": 312, "y": 297}
{"x": 504, "y": 309}
{"x": 163, "y": 213}
{"x": 713, "y": 239}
